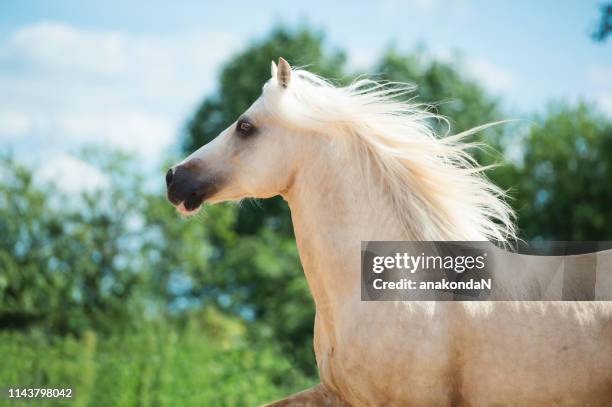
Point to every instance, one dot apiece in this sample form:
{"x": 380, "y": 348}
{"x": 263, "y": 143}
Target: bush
{"x": 161, "y": 364}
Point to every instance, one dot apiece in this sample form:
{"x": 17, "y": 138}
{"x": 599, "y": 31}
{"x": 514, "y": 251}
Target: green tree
{"x": 604, "y": 28}
{"x": 67, "y": 263}
{"x": 442, "y": 86}
{"x": 464, "y": 102}
{"x": 562, "y": 182}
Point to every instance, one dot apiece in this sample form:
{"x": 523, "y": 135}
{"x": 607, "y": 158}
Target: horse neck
{"x": 333, "y": 209}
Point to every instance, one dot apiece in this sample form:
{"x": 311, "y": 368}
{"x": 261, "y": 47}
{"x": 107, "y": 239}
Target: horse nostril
{"x": 169, "y": 176}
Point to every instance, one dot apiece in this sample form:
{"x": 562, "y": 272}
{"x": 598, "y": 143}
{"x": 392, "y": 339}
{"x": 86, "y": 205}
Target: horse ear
{"x": 284, "y": 72}
{"x": 273, "y": 70}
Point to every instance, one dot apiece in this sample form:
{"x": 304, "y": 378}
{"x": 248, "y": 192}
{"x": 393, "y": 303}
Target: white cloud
{"x": 135, "y": 131}
{"x": 66, "y": 86}
{"x": 455, "y": 8}
{"x": 604, "y": 101}
{"x": 392, "y": 6}
{"x": 601, "y": 80}
{"x": 54, "y": 47}
{"x": 13, "y": 124}
{"x": 71, "y": 174}
{"x": 601, "y": 76}
{"x": 362, "y": 58}
{"x": 495, "y": 78}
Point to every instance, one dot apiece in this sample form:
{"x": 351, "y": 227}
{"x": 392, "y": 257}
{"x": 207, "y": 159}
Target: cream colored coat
{"x": 435, "y": 353}
{"x": 299, "y": 141}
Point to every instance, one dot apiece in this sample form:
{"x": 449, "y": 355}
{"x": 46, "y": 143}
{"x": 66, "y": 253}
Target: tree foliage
{"x": 443, "y": 86}
{"x": 109, "y": 259}
{"x": 204, "y": 362}
{"x": 604, "y": 28}
{"x": 561, "y": 184}
{"x": 67, "y": 264}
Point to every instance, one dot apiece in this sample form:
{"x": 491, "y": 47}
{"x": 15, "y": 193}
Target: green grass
{"x": 155, "y": 366}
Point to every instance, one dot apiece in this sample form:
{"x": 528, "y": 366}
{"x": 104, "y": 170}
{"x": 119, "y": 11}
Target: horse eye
{"x": 245, "y": 127}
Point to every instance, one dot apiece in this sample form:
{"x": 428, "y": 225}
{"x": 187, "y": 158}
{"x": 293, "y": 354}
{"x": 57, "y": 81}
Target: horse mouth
{"x": 191, "y": 205}
{"x": 187, "y": 191}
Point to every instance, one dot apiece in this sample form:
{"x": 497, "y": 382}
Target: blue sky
{"x": 128, "y": 74}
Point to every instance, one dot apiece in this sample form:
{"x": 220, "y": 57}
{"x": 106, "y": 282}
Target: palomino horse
{"x": 355, "y": 164}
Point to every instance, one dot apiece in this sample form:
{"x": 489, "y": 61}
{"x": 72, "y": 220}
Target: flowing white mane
{"x": 437, "y": 189}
